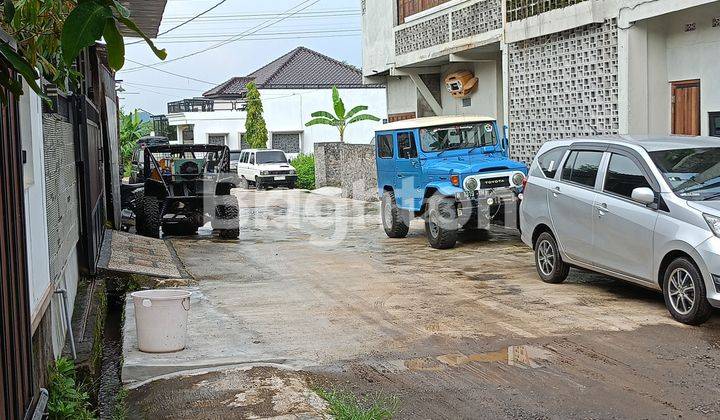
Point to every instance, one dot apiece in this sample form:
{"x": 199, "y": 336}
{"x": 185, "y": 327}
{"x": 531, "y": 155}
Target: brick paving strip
{"x": 128, "y": 253}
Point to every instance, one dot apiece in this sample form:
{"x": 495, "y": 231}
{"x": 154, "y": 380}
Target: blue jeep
{"x": 454, "y": 172}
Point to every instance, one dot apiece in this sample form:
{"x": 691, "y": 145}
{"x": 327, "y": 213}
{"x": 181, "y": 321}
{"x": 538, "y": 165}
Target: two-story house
{"x": 550, "y": 68}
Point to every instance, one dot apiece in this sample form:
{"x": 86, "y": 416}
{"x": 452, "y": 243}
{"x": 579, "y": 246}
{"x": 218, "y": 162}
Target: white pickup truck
{"x": 265, "y": 168}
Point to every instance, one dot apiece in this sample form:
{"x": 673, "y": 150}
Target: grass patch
{"x": 120, "y": 411}
{"x": 69, "y": 398}
{"x": 346, "y": 406}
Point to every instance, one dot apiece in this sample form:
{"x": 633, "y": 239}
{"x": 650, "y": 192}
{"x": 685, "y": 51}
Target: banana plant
{"x": 340, "y": 119}
{"x": 51, "y": 33}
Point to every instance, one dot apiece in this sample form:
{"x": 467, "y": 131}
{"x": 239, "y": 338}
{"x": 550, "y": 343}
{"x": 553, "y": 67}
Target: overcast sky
{"x": 331, "y": 27}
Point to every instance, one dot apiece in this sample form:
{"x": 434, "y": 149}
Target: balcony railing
{"x": 457, "y": 23}
{"x": 191, "y": 105}
{"x": 521, "y": 9}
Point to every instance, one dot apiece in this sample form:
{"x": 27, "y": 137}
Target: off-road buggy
{"x": 185, "y": 186}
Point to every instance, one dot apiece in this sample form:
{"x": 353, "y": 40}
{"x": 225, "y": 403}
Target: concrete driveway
{"x": 314, "y": 285}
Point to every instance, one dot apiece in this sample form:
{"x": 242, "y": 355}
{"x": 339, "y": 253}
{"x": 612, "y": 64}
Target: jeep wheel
{"x": 548, "y": 261}
{"x": 138, "y": 202}
{"x": 685, "y": 294}
{"x": 152, "y": 216}
{"x": 441, "y": 224}
{"x": 395, "y": 220}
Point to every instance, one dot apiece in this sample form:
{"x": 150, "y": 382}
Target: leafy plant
{"x": 68, "y": 398}
{"x": 341, "y": 119}
{"x": 51, "y": 33}
{"x": 132, "y": 128}
{"x": 305, "y": 168}
{"x": 256, "y": 134}
{"x": 346, "y": 406}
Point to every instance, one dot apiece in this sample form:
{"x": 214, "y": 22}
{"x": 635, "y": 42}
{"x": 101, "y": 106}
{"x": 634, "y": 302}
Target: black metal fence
{"x": 191, "y": 105}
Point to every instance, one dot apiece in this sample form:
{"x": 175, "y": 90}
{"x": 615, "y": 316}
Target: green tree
{"x": 131, "y": 129}
{"x": 51, "y": 33}
{"x": 256, "y": 134}
{"x": 341, "y": 119}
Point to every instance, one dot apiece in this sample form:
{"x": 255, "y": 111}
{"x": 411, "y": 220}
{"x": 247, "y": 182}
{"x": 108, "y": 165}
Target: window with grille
{"x": 287, "y": 142}
{"x": 217, "y": 139}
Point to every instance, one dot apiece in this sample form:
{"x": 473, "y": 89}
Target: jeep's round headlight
{"x": 471, "y": 184}
{"x": 518, "y": 178}
{"x": 263, "y": 172}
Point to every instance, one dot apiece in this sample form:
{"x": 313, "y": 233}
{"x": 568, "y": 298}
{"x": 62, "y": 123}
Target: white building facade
{"x": 551, "y": 68}
{"x": 291, "y": 89}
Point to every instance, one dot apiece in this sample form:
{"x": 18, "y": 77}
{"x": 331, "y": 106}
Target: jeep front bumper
{"x": 482, "y": 208}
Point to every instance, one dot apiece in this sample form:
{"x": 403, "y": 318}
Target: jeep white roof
{"x": 434, "y": 122}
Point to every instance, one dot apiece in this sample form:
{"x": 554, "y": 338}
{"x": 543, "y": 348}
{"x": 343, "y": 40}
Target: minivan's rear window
{"x": 581, "y": 167}
{"x": 549, "y": 161}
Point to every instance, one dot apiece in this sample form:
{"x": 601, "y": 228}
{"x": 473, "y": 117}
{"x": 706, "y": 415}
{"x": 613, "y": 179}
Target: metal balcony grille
{"x": 191, "y": 105}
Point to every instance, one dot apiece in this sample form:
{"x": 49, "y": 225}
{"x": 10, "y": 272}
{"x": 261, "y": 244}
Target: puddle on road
{"x": 523, "y": 357}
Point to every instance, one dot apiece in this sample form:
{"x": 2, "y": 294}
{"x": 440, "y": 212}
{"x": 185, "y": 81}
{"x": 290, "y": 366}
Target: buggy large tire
{"x": 138, "y": 199}
{"x": 226, "y": 217}
{"x": 441, "y": 225}
{"x": 395, "y": 221}
{"x": 152, "y": 216}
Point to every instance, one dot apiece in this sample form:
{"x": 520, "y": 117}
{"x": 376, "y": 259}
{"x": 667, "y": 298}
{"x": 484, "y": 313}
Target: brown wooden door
{"x": 686, "y": 107}
{"x": 16, "y": 386}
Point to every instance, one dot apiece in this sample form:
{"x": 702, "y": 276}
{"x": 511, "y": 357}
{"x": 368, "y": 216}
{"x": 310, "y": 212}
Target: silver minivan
{"x": 640, "y": 208}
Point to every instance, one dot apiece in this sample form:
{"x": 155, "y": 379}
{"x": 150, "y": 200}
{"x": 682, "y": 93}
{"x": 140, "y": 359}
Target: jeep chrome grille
{"x": 490, "y": 181}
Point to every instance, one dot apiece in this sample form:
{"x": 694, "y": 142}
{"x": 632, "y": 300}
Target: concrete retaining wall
{"x": 348, "y": 166}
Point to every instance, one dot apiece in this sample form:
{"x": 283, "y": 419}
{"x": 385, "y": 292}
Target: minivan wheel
{"x": 396, "y": 221}
{"x": 550, "y": 266}
{"x": 684, "y": 292}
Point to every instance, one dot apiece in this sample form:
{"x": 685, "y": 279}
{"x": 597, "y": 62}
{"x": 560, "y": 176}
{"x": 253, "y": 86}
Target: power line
{"x": 185, "y": 22}
{"x": 160, "y": 87}
{"x": 331, "y": 12}
{"x": 220, "y": 36}
{"x": 200, "y": 41}
{"x": 241, "y": 35}
{"x": 171, "y": 73}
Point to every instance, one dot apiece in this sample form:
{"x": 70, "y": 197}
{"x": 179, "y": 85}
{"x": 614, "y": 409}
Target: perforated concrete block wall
{"x": 563, "y": 85}
{"x": 61, "y": 191}
{"x": 476, "y": 19}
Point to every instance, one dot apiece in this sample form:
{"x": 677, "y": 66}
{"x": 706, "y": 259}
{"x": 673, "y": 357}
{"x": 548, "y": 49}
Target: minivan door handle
{"x": 602, "y": 209}
{"x": 556, "y": 192}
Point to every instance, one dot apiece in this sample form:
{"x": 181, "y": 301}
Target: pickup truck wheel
{"x": 395, "y": 220}
{"x": 152, "y": 217}
{"x": 548, "y": 261}
{"x": 441, "y": 225}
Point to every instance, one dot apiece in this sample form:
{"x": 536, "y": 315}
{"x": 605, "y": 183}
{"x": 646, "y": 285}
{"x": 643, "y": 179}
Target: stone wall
{"x": 358, "y": 172}
{"x": 327, "y": 164}
{"x": 348, "y": 166}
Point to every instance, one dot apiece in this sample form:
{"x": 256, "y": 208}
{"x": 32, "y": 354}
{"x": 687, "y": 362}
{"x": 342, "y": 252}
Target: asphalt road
{"x": 314, "y": 284}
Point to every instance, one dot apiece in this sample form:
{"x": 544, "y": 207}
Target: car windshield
{"x": 694, "y": 174}
{"x": 271, "y": 156}
{"x": 466, "y": 136}
{"x": 235, "y": 156}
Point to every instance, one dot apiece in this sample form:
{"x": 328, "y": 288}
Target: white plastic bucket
{"x": 161, "y": 319}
